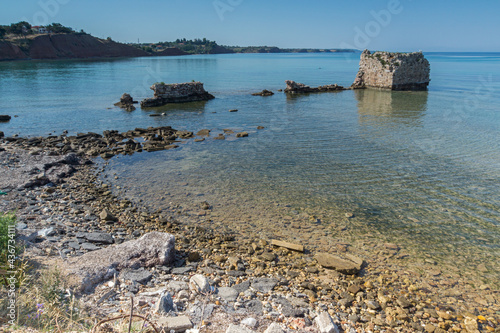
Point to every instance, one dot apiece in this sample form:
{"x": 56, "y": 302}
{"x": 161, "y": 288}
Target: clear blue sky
{"x": 402, "y": 25}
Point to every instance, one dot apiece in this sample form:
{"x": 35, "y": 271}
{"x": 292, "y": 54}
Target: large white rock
{"x": 325, "y": 323}
{"x": 199, "y": 284}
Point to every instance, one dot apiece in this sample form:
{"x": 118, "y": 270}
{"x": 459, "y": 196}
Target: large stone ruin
{"x": 395, "y": 71}
{"x": 176, "y": 93}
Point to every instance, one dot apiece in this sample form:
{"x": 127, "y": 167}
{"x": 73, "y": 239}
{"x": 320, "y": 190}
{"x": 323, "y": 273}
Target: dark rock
{"x": 242, "y": 135}
{"x": 264, "y": 285}
{"x": 126, "y": 102}
{"x": 264, "y": 93}
{"x": 254, "y": 306}
{"x": 89, "y": 247}
{"x": 293, "y": 87}
{"x": 140, "y": 275}
{"x": 152, "y": 249}
{"x": 165, "y": 304}
{"x": 228, "y": 294}
{"x": 176, "y": 93}
{"x": 243, "y": 286}
{"x": 4, "y": 118}
{"x": 182, "y": 270}
{"x": 98, "y": 237}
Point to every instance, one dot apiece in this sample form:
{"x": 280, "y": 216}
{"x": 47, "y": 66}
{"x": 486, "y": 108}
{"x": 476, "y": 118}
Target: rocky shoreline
{"x": 217, "y": 280}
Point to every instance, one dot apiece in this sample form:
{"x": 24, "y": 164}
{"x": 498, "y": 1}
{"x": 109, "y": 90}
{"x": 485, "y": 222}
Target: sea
{"x": 419, "y": 169}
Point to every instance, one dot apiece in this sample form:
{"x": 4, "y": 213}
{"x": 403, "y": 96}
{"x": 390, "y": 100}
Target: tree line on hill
{"x": 23, "y": 28}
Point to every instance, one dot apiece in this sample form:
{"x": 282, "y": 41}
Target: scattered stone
{"x": 325, "y": 323}
{"x": 264, "y": 285}
{"x": 238, "y": 329}
{"x": 228, "y": 294}
{"x": 107, "y": 216}
{"x": 349, "y": 215}
{"x": 5, "y": 118}
{"x": 274, "y": 328}
{"x": 89, "y": 247}
{"x": 242, "y": 135}
{"x": 176, "y": 324}
{"x": 99, "y": 237}
{"x": 152, "y": 249}
{"x": 199, "y": 284}
{"x": 471, "y": 325}
{"x": 343, "y": 266}
{"x": 46, "y": 232}
{"x": 249, "y": 322}
{"x": 233, "y": 110}
{"x": 260, "y": 127}
{"x": 290, "y": 246}
{"x": 140, "y": 275}
{"x": 165, "y": 304}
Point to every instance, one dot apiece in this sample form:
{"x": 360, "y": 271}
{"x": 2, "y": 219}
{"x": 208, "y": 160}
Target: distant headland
{"x": 22, "y": 41}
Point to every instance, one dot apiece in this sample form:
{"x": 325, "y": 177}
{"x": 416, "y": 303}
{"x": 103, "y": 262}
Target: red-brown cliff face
{"x": 8, "y": 51}
{"x": 69, "y": 46}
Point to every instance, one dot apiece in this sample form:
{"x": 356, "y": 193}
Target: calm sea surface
{"x": 418, "y": 168}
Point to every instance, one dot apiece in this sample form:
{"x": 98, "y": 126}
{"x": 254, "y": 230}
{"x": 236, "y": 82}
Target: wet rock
{"x": 471, "y": 325}
{"x": 293, "y": 87}
{"x": 233, "y": 110}
{"x": 286, "y": 245}
{"x": 152, "y": 249}
{"x": 264, "y": 92}
{"x": 126, "y": 102}
{"x": 4, "y": 118}
{"x": 242, "y": 135}
{"x": 203, "y": 132}
{"x": 343, "y": 266}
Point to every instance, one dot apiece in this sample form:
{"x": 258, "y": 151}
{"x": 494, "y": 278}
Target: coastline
{"x": 385, "y": 295}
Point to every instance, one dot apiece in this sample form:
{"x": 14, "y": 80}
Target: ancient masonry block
{"x": 176, "y": 93}
{"x": 395, "y": 71}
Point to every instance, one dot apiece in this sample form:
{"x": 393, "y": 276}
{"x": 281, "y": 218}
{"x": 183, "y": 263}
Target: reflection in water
{"x": 383, "y": 106}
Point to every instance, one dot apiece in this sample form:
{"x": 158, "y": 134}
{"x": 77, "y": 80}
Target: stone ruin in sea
{"x": 176, "y": 93}
{"x": 395, "y": 71}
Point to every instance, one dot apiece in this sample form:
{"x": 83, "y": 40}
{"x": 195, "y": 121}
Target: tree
{"x": 3, "y": 32}
{"x": 58, "y": 28}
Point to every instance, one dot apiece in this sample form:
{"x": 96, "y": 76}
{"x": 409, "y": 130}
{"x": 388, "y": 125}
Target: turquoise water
{"x": 418, "y": 168}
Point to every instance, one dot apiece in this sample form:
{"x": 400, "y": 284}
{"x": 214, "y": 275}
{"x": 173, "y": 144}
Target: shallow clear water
{"x": 418, "y": 168}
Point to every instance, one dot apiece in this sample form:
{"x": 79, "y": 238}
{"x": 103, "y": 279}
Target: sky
{"x": 389, "y": 25}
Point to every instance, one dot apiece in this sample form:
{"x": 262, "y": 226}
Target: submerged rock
{"x": 264, "y": 92}
{"x": 293, "y": 87}
{"x": 340, "y": 265}
{"x": 126, "y": 102}
{"x": 5, "y": 117}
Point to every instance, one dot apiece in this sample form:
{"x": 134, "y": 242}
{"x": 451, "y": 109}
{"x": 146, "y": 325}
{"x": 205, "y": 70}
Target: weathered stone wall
{"x": 176, "y": 93}
{"x": 396, "y": 71}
